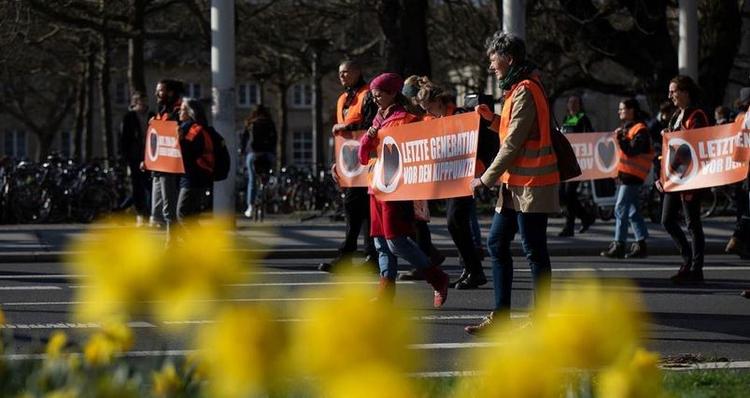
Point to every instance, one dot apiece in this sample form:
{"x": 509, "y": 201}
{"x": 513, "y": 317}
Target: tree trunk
{"x": 106, "y": 101}
{"x": 136, "y": 76}
{"x": 404, "y": 25}
{"x": 44, "y": 139}
{"x": 281, "y": 159}
{"x": 79, "y": 127}
{"x": 88, "y": 135}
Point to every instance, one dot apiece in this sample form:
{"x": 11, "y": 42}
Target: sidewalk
{"x": 319, "y": 238}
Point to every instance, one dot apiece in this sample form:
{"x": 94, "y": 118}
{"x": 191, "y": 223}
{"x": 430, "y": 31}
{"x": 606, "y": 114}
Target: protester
{"x": 721, "y": 115}
{"x": 197, "y": 158}
{"x": 258, "y": 143}
{"x": 132, "y": 147}
{"x": 739, "y": 243}
{"x": 422, "y": 234}
{"x": 636, "y": 155}
{"x": 576, "y": 121}
{"x": 529, "y": 189}
{"x": 684, "y": 93}
{"x": 355, "y": 110}
{"x": 165, "y": 189}
{"x": 391, "y": 222}
{"x": 439, "y": 103}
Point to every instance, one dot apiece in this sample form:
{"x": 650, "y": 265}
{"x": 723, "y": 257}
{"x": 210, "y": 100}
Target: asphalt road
{"x": 710, "y": 320}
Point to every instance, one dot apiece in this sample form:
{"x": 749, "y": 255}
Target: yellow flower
{"x": 166, "y": 382}
{"x": 65, "y": 393}
{"x": 122, "y": 265}
{"x": 99, "y": 350}
{"x": 517, "y": 367}
{"x": 370, "y": 381}
{"x": 242, "y": 352}
{"x": 200, "y": 268}
{"x": 342, "y": 334}
{"x": 592, "y": 326}
{"x": 102, "y": 346}
{"x": 2, "y": 317}
{"x": 640, "y": 377}
{"x": 56, "y": 343}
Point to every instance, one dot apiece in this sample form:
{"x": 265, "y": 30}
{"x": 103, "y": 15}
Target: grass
{"x": 727, "y": 383}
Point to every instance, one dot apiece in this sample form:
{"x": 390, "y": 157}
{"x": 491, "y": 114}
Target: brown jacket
{"x": 543, "y": 199}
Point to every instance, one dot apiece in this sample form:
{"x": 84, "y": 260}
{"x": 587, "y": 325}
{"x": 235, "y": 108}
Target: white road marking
{"x": 17, "y": 288}
{"x": 325, "y": 283}
{"x": 240, "y": 300}
{"x": 70, "y": 325}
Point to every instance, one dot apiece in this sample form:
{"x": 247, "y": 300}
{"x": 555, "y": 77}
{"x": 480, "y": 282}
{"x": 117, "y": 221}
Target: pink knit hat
{"x": 388, "y": 82}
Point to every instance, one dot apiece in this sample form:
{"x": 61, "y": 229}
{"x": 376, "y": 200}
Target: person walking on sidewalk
{"x": 165, "y": 189}
{"x": 739, "y": 243}
{"x": 258, "y": 143}
{"x": 636, "y": 156}
{"x": 684, "y": 93}
{"x": 526, "y": 165}
{"x": 197, "y": 158}
{"x": 439, "y": 103}
{"x": 132, "y": 147}
{"x": 355, "y": 110}
{"x": 576, "y": 121}
{"x": 392, "y": 222}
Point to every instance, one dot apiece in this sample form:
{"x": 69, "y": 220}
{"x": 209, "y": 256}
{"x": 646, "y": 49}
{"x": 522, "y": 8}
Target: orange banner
{"x": 597, "y": 154}
{"x": 742, "y": 147}
{"x": 701, "y": 158}
{"x": 163, "y": 147}
{"x": 351, "y": 173}
{"x": 434, "y": 159}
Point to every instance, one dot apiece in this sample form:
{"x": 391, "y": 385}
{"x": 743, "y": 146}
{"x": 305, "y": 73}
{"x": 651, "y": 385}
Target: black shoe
{"x": 371, "y": 263}
{"x": 637, "y": 250}
{"x": 566, "y": 232}
{"x": 412, "y": 275}
{"x": 464, "y": 275}
{"x": 586, "y": 223}
{"x": 687, "y": 276}
{"x": 615, "y": 250}
{"x": 335, "y": 264}
{"x": 472, "y": 281}
{"x": 745, "y": 294}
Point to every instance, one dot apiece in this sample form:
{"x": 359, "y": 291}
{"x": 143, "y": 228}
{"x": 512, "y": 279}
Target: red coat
{"x": 394, "y": 218}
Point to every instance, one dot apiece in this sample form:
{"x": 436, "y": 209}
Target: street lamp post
{"x": 317, "y": 45}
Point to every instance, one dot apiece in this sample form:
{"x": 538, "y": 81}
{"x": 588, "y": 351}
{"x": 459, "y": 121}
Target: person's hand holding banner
{"x": 372, "y": 132}
{"x": 335, "y": 174}
{"x": 475, "y": 183}
{"x": 485, "y": 112}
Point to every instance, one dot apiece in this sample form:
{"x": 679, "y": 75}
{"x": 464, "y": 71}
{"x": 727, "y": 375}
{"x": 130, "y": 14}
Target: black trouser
{"x": 140, "y": 182}
{"x": 572, "y": 204}
{"x": 691, "y": 209}
{"x": 423, "y": 237}
{"x": 357, "y": 213}
{"x": 742, "y": 204}
{"x": 459, "y": 226}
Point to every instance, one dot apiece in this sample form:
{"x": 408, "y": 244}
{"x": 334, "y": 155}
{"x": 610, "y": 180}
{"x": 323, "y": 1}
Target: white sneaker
{"x": 249, "y": 212}
{"x": 139, "y": 221}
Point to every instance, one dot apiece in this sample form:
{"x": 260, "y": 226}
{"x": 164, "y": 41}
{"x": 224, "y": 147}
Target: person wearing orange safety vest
{"x": 526, "y": 166}
{"x": 636, "y": 156}
{"x": 355, "y": 110}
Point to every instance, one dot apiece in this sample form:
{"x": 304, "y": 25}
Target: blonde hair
{"x": 430, "y": 92}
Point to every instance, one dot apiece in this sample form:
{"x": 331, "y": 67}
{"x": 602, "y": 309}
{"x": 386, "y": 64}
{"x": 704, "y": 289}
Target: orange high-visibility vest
{"x": 536, "y": 165}
{"x": 352, "y": 114}
{"x": 638, "y": 165}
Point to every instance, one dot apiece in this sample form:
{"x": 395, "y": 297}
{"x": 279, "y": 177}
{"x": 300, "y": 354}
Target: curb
{"x": 557, "y": 250}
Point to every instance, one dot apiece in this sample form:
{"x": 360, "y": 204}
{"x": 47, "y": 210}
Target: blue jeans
{"x": 626, "y": 210}
{"x": 250, "y": 160}
{"x": 402, "y": 247}
{"x": 533, "y": 228}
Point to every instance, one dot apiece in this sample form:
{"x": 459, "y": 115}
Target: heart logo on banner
{"x": 606, "y": 150}
{"x": 350, "y": 157}
{"x": 391, "y": 162}
{"x": 680, "y": 160}
{"x": 153, "y": 140}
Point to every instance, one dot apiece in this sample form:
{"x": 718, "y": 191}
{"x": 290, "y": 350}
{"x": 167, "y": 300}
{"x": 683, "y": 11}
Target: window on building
{"x": 302, "y": 148}
{"x": 301, "y": 95}
{"x": 15, "y": 143}
{"x": 193, "y": 90}
{"x": 248, "y": 94}
{"x": 121, "y": 93}
{"x": 66, "y": 143}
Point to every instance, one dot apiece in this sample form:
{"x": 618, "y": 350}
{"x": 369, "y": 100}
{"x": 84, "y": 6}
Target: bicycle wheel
{"x": 93, "y": 201}
{"x": 709, "y": 202}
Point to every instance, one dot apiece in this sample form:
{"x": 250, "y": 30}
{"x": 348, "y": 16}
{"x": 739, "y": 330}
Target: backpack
{"x": 222, "y": 161}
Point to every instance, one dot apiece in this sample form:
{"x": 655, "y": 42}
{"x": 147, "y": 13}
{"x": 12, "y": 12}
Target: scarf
{"x": 516, "y": 73}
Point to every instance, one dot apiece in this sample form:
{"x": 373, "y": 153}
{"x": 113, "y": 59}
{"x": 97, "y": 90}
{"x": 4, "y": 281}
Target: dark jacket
{"x": 261, "y": 136}
{"x": 133, "y": 137}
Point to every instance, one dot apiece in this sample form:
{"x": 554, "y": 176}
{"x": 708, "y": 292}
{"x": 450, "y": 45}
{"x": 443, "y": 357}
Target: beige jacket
{"x": 543, "y": 199}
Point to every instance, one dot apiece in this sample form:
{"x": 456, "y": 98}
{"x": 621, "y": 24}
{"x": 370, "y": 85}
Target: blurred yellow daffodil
{"x": 56, "y": 344}
{"x": 638, "y": 377}
{"x": 166, "y": 382}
